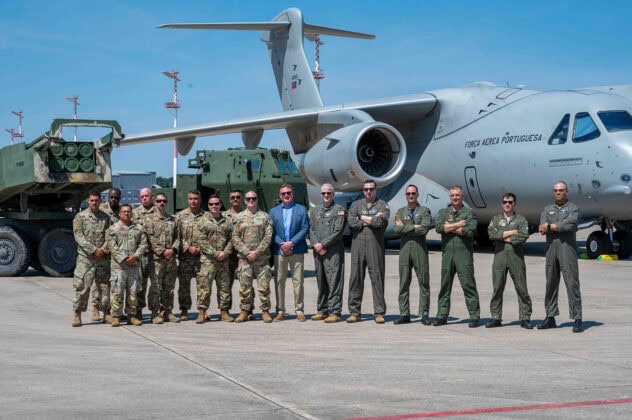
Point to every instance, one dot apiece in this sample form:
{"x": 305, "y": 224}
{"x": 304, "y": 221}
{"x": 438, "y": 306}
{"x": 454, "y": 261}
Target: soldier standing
{"x": 126, "y": 242}
{"x": 326, "y": 229}
{"x": 509, "y": 231}
{"x": 162, "y": 234}
{"x": 89, "y": 228}
{"x": 139, "y": 214}
{"x": 215, "y": 247}
{"x": 252, "y": 236}
{"x": 412, "y": 224}
{"x": 559, "y": 223}
{"x": 368, "y": 219}
{"x": 457, "y": 225}
{"x": 189, "y": 254}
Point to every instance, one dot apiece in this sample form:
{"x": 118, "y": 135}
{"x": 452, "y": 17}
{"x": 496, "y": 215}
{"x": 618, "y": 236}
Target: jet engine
{"x": 350, "y": 155}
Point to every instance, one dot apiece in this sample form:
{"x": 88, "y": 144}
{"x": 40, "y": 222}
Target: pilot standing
{"x": 457, "y": 225}
{"x": 412, "y": 224}
{"x": 368, "y": 219}
{"x": 559, "y": 223}
{"x": 509, "y": 231}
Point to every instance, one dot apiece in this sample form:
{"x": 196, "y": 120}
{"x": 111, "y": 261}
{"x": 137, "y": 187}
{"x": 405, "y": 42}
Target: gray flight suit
{"x": 367, "y": 250}
{"x": 326, "y": 226}
{"x": 561, "y": 255}
{"x": 509, "y": 257}
{"x": 457, "y": 258}
{"x": 413, "y": 253}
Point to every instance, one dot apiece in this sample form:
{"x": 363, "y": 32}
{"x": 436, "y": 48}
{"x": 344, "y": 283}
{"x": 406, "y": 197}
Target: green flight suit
{"x": 509, "y": 257}
{"x": 458, "y": 259}
{"x": 413, "y": 253}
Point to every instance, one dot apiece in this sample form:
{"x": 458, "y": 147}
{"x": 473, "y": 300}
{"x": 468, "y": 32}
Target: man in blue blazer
{"x": 291, "y": 226}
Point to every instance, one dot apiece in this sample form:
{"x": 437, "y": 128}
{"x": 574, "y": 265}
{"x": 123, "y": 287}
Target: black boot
{"x": 402, "y": 320}
{"x": 549, "y": 322}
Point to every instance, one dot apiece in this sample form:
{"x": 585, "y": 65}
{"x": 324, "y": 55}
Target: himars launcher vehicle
{"x": 42, "y": 184}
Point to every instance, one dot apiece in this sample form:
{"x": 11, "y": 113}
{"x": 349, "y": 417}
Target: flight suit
{"x": 326, "y": 226}
{"x": 139, "y": 215}
{"x": 457, "y": 258}
{"x": 188, "y": 265}
{"x": 561, "y": 255}
{"x": 509, "y": 257}
{"x": 413, "y": 253}
{"x": 215, "y": 237}
{"x": 367, "y": 250}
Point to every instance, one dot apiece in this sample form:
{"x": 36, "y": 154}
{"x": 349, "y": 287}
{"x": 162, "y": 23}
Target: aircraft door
{"x": 473, "y": 190}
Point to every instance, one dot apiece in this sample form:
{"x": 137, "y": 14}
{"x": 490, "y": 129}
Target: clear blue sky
{"x": 111, "y": 55}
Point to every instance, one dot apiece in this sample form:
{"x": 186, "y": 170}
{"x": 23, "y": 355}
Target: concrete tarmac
{"x": 293, "y": 370}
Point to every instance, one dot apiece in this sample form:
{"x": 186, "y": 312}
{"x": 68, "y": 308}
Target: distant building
{"x": 130, "y": 183}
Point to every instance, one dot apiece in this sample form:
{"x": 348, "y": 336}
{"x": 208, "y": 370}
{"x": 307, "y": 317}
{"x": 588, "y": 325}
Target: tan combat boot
{"x": 107, "y": 318}
{"x": 170, "y": 317}
{"x": 225, "y": 316}
{"x": 96, "y": 315}
{"x": 243, "y": 316}
{"x": 265, "y": 315}
{"x": 184, "y": 315}
{"x": 156, "y": 317}
{"x": 116, "y": 321}
{"x": 76, "y": 322}
{"x": 201, "y": 316}
{"x": 132, "y": 320}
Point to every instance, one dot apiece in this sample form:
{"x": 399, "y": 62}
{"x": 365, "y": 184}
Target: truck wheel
{"x": 58, "y": 252}
{"x": 15, "y": 253}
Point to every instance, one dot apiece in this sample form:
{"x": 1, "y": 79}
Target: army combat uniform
{"x": 509, "y": 257}
{"x": 413, "y": 253}
{"x": 188, "y": 265}
{"x": 327, "y": 225}
{"x": 561, "y": 255}
{"x": 89, "y": 231}
{"x": 162, "y": 235}
{"x": 253, "y": 232}
{"x": 139, "y": 215}
{"x": 215, "y": 236}
{"x": 122, "y": 241}
{"x": 233, "y": 259}
{"x": 457, "y": 258}
{"x": 367, "y": 250}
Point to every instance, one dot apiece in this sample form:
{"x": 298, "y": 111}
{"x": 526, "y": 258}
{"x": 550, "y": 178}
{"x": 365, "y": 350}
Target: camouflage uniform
{"x": 327, "y": 226}
{"x": 413, "y": 253}
{"x": 509, "y": 257}
{"x": 561, "y": 255}
{"x": 233, "y": 259}
{"x": 162, "y": 235}
{"x": 367, "y": 250}
{"x": 96, "y": 292}
{"x": 89, "y": 231}
{"x": 457, "y": 258}
{"x": 253, "y": 232}
{"x": 139, "y": 215}
{"x": 215, "y": 237}
{"x": 123, "y": 241}
{"x": 188, "y": 265}
{"x": 114, "y": 216}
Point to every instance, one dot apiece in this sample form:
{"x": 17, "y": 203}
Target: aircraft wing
{"x": 394, "y": 110}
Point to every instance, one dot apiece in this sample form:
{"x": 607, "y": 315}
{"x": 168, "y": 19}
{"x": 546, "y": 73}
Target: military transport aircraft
{"x": 487, "y": 138}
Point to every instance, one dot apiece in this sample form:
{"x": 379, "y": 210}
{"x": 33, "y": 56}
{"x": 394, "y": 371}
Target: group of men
{"x": 136, "y": 256}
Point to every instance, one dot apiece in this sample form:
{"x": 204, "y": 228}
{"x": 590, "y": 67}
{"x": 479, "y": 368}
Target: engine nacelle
{"x": 350, "y": 155}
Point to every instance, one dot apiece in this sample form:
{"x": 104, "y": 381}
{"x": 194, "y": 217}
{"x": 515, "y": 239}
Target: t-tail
{"x": 284, "y": 38}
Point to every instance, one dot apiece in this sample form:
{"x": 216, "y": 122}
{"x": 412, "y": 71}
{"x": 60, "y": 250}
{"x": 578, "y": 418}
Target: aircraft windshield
{"x": 561, "y": 132}
{"x": 585, "y": 128}
{"x": 615, "y": 120}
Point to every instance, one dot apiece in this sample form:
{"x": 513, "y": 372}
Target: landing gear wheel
{"x": 58, "y": 252}
{"x": 15, "y": 253}
{"x": 622, "y": 244}
{"x": 598, "y": 243}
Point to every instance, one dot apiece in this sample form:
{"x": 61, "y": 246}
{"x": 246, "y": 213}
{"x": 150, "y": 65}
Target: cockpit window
{"x": 615, "y": 120}
{"x": 560, "y": 134}
{"x": 585, "y": 128}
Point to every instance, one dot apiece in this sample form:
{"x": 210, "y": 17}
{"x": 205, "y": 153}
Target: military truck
{"x": 220, "y": 171}
{"x": 42, "y": 184}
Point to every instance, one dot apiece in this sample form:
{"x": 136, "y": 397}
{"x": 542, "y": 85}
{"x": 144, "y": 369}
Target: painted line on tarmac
{"x": 497, "y": 410}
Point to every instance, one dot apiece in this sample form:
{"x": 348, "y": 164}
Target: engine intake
{"x": 350, "y": 155}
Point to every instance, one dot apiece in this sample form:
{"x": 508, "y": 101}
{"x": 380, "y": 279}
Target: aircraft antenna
{"x": 75, "y": 103}
{"x": 19, "y": 134}
{"x": 174, "y": 105}
{"x": 318, "y": 75}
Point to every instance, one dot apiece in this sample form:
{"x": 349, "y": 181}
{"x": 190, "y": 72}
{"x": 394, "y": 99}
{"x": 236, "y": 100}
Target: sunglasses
{"x": 284, "y": 193}
{"x": 508, "y": 201}
{"x": 369, "y": 189}
{"x": 559, "y": 190}
{"x": 214, "y": 204}
{"x": 161, "y": 201}
{"x": 326, "y": 193}
{"x": 251, "y": 198}
{"x": 411, "y": 193}
{"x": 235, "y": 197}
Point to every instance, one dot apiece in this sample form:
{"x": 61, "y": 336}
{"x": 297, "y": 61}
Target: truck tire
{"x": 57, "y": 252}
{"x": 15, "y": 253}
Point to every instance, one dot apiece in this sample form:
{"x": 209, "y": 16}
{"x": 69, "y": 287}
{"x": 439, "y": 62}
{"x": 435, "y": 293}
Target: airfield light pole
{"x": 75, "y": 102}
{"x": 174, "y": 105}
{"x": 19, "y": 134}
{"x": 318, "y": 75}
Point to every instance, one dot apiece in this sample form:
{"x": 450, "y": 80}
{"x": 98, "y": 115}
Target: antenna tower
{"x": 318, "y": 75}
{"x": 19, "y": 134}
{"x": 75, "y": 102}
{"x": 12, "y": 132}
{"x": 174, "y": 105}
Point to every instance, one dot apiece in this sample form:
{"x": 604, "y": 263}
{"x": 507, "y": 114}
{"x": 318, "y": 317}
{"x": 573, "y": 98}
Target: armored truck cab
{"x": 42, "y": 184}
